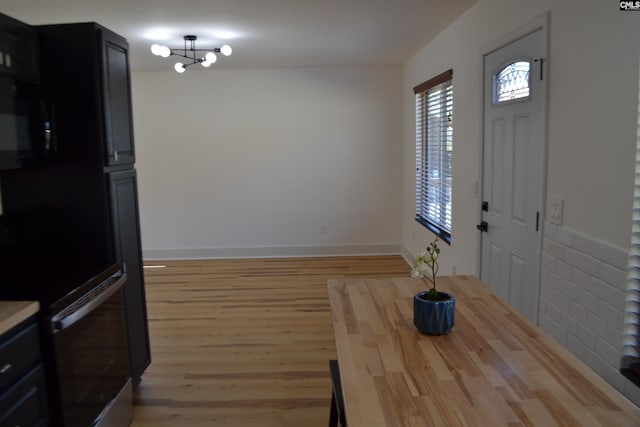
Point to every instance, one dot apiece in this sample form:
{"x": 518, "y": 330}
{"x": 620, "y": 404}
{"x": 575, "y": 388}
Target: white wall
{"x": 269, "y": 161}
{"x": 593, "y": 75}
{"x": 593, "y": 86}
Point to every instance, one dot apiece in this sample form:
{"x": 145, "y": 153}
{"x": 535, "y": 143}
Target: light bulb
{"x": 226, "y": 50}
{"x": 211, "y": 57}
{"x": 155, "y": 49}
{"x": 165, "y": 51}
{"x": 179, "y": 67}
{"x": 205, "y": 63}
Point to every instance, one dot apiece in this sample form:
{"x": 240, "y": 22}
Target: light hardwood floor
{"x": 244, "y": 343}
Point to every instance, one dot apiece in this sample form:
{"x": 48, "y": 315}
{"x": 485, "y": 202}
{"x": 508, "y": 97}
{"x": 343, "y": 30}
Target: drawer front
{"x": 17, "y": 355}
{"x": 25, "y": 404}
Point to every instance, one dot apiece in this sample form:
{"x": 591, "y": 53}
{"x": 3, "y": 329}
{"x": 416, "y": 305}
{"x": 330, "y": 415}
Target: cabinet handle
{"x": 5, "y": 368}
{"x": 115, "y": 155}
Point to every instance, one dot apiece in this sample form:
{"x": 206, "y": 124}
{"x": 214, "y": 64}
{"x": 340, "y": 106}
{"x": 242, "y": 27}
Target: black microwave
{"x": 27, "y": 133}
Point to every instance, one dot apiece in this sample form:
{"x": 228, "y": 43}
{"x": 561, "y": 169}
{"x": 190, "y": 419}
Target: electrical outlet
{"x": 323, "y": 229}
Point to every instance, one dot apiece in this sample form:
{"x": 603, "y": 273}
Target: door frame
{"x": 541, "y": 23}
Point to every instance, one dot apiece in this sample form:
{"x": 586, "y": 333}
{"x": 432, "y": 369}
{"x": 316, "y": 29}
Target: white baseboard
{"x": 273, "y": 252}
{"x": 407, "y": 255}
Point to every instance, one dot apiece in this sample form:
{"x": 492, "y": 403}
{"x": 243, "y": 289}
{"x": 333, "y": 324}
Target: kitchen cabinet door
{"x": 18, "y": 49}
{"x": 85, "y": 73}
{"x": 117, "y": 100}
{"x": 126, "y": 232}
{"x": 23, "y": 395}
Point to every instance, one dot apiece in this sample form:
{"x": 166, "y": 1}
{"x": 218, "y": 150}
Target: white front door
{"x": 512, "y": 171}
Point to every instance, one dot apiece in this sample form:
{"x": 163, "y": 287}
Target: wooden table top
{"x": 495, "y": 368}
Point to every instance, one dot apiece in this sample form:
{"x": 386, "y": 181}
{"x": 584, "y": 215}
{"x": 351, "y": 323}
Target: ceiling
{"x": 262, "y": 33}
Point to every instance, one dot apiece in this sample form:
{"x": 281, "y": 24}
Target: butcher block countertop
{"x": 14, "y": 312}
{"x": 495, "y": 368}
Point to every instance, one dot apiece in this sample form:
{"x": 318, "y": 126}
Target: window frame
{"x": 442, "y": 139}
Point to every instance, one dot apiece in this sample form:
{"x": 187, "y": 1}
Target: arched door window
{"x": 512, "y": 82}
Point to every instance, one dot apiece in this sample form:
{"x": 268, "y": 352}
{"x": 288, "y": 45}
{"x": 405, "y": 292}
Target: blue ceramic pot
{"x": 434, "y": 317}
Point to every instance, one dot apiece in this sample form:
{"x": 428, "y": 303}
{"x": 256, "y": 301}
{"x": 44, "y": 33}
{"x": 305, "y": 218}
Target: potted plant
{"x": 433, "y": 311}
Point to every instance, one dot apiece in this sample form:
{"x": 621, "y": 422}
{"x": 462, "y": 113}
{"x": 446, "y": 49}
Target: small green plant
{"x": 426, "y": 266}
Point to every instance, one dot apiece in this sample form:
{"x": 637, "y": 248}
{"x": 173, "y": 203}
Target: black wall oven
{"x": 87, "y": 331}
{"x": 83, "y": 339}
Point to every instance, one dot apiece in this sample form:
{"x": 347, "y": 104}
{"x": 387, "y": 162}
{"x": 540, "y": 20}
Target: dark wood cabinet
{"x": 23, "y": 398}
{"x": 85, "y": 72}
{"x": 124, "y": 207}
{"x": 117, "y": 100}
{"x": 18, "y": 49}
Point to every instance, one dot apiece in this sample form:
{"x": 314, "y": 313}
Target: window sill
{"x": 445, "y": 236}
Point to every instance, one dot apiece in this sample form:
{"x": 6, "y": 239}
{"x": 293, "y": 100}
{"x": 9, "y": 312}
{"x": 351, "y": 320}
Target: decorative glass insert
{"x": 512, "y": 82}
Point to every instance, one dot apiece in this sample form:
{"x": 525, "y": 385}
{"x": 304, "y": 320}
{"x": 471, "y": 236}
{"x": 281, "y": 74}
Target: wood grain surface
{"x": 14, "y": 312}
{"x": 244, "y": 343}
{"x": 494, "y": 368}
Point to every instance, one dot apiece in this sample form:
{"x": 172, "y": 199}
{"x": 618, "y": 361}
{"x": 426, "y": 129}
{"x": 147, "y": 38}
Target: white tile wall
{"x": 582, "y": 297}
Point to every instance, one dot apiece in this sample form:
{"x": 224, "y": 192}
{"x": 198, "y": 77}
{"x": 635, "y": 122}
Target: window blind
{"x": 434, "y": 148}
{"x": 630, "y": 366}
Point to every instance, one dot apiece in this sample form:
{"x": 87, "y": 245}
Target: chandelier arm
{"x": 180, "y": 54}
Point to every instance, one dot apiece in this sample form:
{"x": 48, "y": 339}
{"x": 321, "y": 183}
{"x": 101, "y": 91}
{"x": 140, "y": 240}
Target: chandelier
{"x": 191, "y": 53}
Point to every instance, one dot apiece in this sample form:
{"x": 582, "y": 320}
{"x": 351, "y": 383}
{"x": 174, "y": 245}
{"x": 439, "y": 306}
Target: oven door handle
{"x": 79, "y": 309}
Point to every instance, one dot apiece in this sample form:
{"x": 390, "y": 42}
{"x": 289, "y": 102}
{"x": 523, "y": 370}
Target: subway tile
{"x": 553, "y": 311}
{"x": 565, "y": 236}
{"x": 610, "y": 354}
{"x": 575, "y": 346}
{"x": 614, "y": 276}
{"x": 631, "y": 391}
{"x": 550, "y": 230}
{"x": 582, "y": 261}
{"x": 556, "y": 282}
{"x": 616, "y": 257}
{"x": 586, "y": 337}
{"x": 604, "y": 369}
{"x": 554, "y": 248}
{"x": 601, "y": 310}
{"x": 613, "y": 336}
{"x": 563, "y": 269}
{"x": 569, "y": 324}
{"x": 542, "y": 307}
{"x": 608, "y": 294}
{"x": 553, "y": 329}
{"x": 578, "y": 312}
{"x": 548, "y": 262}
{"x": 589, "y": 302}
{"x": 596, "y": 325}
{"x": 582, "y": 243}
{"x": 582, "y": 298}
{"x": 546, "y": 292}
{"x": 562, "y": 302}
{"x": 570, "y": 290}
{"x": 544, "y": 275}
{"x": 579, "y": 278}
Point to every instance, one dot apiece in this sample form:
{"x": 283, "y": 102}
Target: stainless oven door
{"x": 91, "y": 352}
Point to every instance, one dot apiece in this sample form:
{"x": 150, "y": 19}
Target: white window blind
{"x": 630, "y": 366}
{"x": 434, "y": 148}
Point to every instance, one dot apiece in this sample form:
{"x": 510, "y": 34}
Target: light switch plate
{"x": 556, "y": 210}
